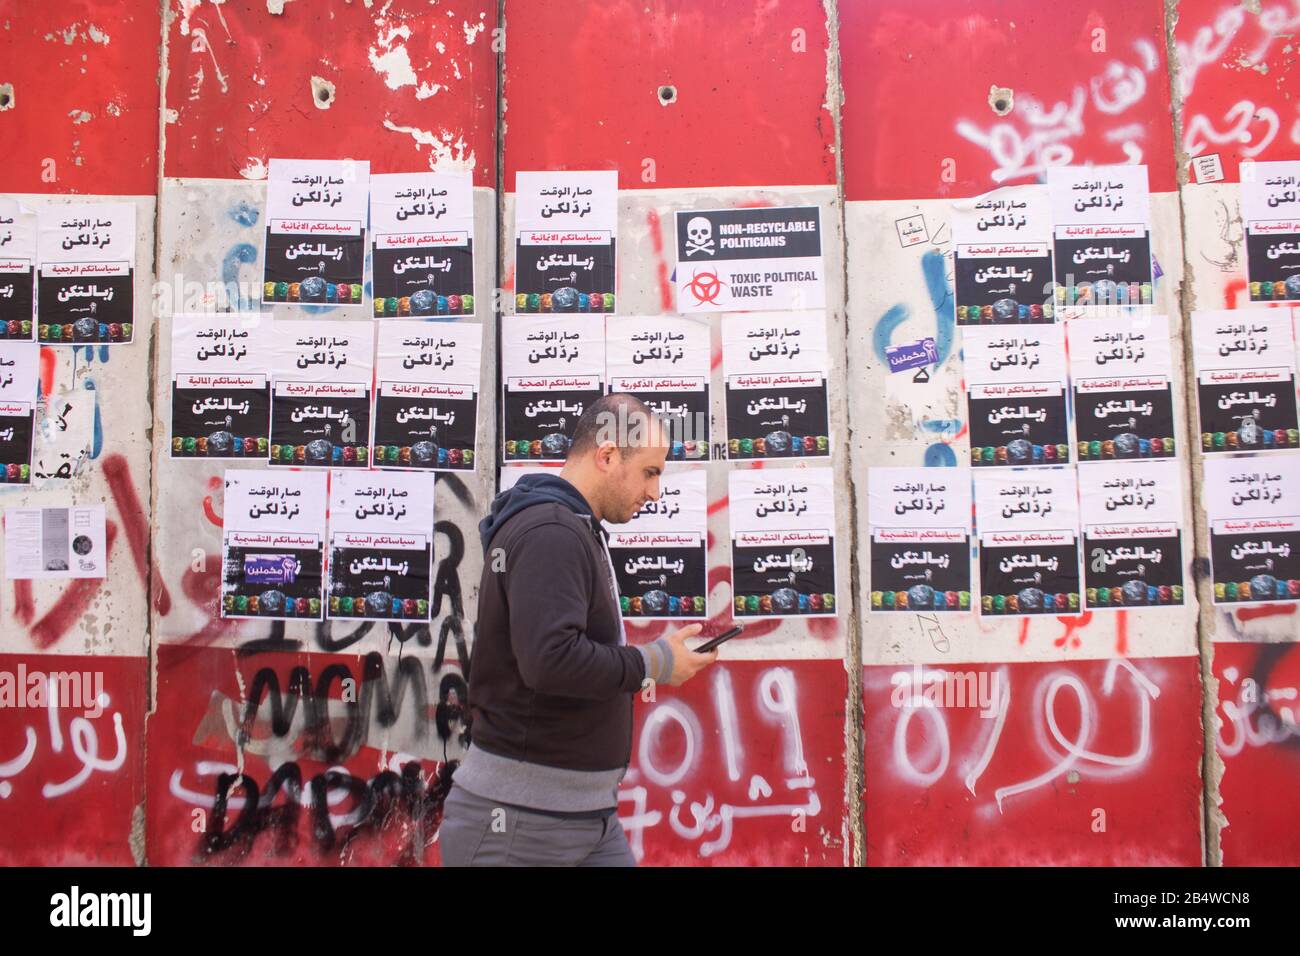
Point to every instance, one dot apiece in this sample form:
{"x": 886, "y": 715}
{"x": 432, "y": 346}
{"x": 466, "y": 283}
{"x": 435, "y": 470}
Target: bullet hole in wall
{"x": 667, "y": 94}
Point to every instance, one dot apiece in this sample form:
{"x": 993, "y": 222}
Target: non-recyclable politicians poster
{"x": 18, "y": 363}
{"x": 1270, "y": 209}
{"x": 566, "y": 227}
{"x": 320, "y": 393}
{"x": 782, "y": 542}
{"x": 381, "y": 545}
{"x": 423, "y": 226}
{"x": 426, "y": 412}
{"x": 85, "y": 285}
{"x": 315, "y": 246}
{"x": 775, "y": 368}
{"x": 1102, "y": 221}
{"x": 920, "y": 538}
{"x": 660, "y": 555}
{"x": 750, "y": 259}
{"x": 1245, "y": 380}
{"x": 1015, "y": 396}
{"x": 1121, "y": 370}
{"x": 17, "y": 270}
{"x": 1132, "y": 514}
{"x": 221, "y": 391}
{"x": 553, "y": 368}
{"x": 1252, "y": 504}
{"x": 273, "y": 544}
{"x": 1028, "y": 524}
{"x": 1002, "y": 266}
{"x": 664, "y": 361}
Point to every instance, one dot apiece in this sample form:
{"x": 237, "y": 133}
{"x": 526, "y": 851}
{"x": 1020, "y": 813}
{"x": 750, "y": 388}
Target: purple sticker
{"x": 911, "y": 355}
{"x": 270, "y": 568}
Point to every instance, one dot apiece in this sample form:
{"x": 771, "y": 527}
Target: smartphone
{"x": 720, "y": 639}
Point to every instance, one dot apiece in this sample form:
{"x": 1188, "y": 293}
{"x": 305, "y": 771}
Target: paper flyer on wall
{"x": 221, "y": 385}
{"x": 1270, "y": 213}
{"x": 1015, "y": 396}
{"x": 315, "y": 242}
{"x": 18, "y": 372}
{"x": 1102, "y": 226}
{"x": 782, "y": 542}
{"x": 17, "y": 270}
{"x": 566, "y": 231}
{"x": 552, "y": 368}
{"x": 273, "y": 544}
{"x": 381, "y": 545}
{"x": 1132, "y": 515}
{"x": 85, "y": 285}
{"x": 920, "y": 538}
{"x": 45, "y": 543}
{"x": 1245, "y": 380}
{"x": 775, "y": 368}
{"x": 760, "y": 258}
{"x": 1028, "y": 524}
{"x": 1121, "y": 370}
{"x": 1002, "y": 257}
{"x": 664, "y": 361}
{"x": 423, "y": 259}
{"x": 1252, "y": 504}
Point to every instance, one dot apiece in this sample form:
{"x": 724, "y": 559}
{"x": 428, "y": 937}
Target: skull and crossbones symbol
{"x": 699, "y": 236}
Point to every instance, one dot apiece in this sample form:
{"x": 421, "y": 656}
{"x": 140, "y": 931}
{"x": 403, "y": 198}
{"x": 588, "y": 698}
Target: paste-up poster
{"x": 17, "y": 270}
{"x": 18, "y": 371}
{"x": 1015, "y": 396}
{"x": 85, "y": 285}
{"x": 1132, "y": 514}
{"x": 767, "y": 257}
{"x": 1102, "y": 221}
{"x": 1245, "y": 380}
{"x": 782, "y": 542}
{"x": 1270, "y": 210}
{"x": 316, "y": 231}
{"x": 1253, "y": 508}
{"x": 660, "y": 555}
{"x": 1028, "y": 524}
{"x": 381, "y": 545}
{"x": 423, "y": 224}
{"x": 775, "y": 368}
{"x": 53, "y": 543}
{"x": 1121, "y": 370}
{"x": 553, "y": 368}
{"x": 320, "y": 393}
{"x": 566, "y": 228}
{"x": 426, "y": 413}
{"x": 221, "y": 385}
{"x": 664, "y": 361}
{"x": 1002, "y": 264}
{"x": 920, "y": 538}
{"x": 273, "y": 544}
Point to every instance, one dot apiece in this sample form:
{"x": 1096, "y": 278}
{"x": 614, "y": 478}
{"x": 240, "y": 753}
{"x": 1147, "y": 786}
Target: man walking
{"x": 552, "y": 678}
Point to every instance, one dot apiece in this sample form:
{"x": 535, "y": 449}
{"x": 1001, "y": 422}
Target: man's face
{"x": 633, "y": 480}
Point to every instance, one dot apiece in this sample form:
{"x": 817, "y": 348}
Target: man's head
{"x": 618, "y": 453}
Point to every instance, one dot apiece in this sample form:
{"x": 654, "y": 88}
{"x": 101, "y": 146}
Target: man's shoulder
{"x": 549, "y": 519}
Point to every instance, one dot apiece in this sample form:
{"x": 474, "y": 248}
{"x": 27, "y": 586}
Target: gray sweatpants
{"x": 476, "y": 831}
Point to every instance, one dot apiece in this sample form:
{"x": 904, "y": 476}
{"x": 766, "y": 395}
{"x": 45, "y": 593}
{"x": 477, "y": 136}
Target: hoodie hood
{"x": 527, "y": 491}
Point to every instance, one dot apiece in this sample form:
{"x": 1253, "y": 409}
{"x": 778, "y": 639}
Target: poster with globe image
{"x": 1254, "y": 521}
{"x": 920, "y": 539}
{"x": 553, "y": 368}
{"x": 566, "y": 232}
{"x": 221, "y": 385}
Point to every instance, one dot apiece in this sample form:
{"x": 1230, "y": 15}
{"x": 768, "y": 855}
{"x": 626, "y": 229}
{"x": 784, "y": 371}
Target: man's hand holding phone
{"x": 686, "y": 662}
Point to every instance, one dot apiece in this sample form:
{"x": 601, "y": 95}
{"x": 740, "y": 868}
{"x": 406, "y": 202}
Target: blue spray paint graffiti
{"x": 241, "y": 254}
{"x": 244, "y": 213}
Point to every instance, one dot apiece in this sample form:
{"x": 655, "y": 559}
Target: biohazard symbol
{"x": 705, "y": 286}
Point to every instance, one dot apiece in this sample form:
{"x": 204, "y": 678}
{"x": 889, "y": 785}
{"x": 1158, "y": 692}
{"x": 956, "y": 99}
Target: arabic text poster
{"x": 553, "y": 368}
{"x": 43, "y": 543}
{"x": 381, "y": 545}
{"x": 85, "y": 285}
{"x": 920, "y": 539}
{"x": 426, "y": 412}
{"x": 1132, "y": 514}
{"x": 566, "y": 231}
{"x": 221, "y": 385}
{"x": 750, "y": 259}
{"x": 659, "y": 556}
{"x": 1270, "y": 209}
{"x": 664, "y": 361}
{"x": 423, "y": 224}
{"x": 18, "y": 372}
{"x": 1253, "y": 508}
{"x": 1028, "y": 523}
{"x": 273, "y": 544}
{"x": 1121, "y": 370}
{"x": 782, "y": 542}
{"x": 315, "y": 231}
{"x": 1015, "y": 396}
{"x": 1245, "y": 380}
{"x": 1102, "y": 248}
{"x": 320, "y": 393}
{"x": 17, "y": 270}
{"x": 1002, "y": 267}
{"x": 775, "y": 368}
